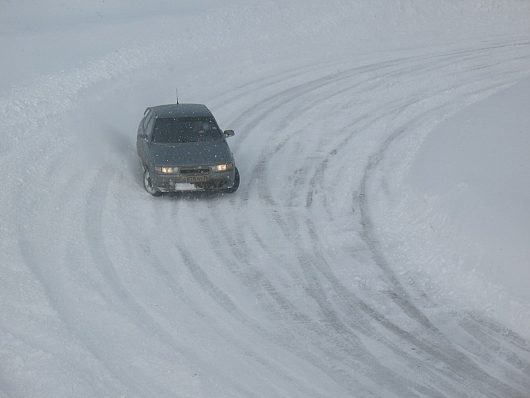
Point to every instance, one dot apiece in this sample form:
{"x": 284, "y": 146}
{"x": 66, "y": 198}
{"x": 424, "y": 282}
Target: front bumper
{"x": 211, "y": 181}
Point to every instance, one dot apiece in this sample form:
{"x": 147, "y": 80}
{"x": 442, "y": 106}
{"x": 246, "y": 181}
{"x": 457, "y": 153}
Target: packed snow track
{"x": 280, "y": 290}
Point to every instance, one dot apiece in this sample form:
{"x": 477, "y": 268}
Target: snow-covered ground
{"x": 460, "y": 211}
{"x": 352, "y": 262}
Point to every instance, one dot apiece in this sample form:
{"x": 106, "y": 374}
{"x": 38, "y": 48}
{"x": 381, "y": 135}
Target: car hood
{"x": 190, "y": 154}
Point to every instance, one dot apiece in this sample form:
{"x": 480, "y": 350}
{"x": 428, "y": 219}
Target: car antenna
{"x": 177, "y": 90}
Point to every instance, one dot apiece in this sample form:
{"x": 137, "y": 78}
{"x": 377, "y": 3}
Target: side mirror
{"x": 229, "y": 133}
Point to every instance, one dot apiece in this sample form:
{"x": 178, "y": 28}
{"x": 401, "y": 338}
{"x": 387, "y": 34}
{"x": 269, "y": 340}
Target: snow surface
{"x": 310, "y": 281}
{"x": 462, "y": 210}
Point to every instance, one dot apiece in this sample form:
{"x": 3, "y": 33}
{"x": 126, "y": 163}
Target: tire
{"x": 148, "y": 185}
{"x": 234, "y": 187}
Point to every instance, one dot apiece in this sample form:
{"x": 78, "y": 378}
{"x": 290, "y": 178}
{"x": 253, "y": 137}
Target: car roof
{"x": 181, "y": 110}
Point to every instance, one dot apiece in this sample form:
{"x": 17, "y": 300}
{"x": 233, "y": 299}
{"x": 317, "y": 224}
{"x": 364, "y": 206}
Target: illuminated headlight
{"x": 223, "y": 167}
{"x": 166, "y": 170}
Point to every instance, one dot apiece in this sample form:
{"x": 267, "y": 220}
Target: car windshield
{"x": 185, "y": 129}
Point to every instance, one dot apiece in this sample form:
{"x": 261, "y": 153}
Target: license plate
{"x": 193, "y": 179}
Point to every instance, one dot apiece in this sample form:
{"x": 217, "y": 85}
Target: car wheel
{"x": 148, "y": 184}
{"x": 234, "y": 187}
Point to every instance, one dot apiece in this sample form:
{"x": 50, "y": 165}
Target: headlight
{"x": 166, "y": 170}
{"x": 223, "y": 167}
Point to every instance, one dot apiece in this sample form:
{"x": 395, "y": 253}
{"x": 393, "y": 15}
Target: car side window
{"x": 149, "y": 126}
{"x": 146, "y": 120}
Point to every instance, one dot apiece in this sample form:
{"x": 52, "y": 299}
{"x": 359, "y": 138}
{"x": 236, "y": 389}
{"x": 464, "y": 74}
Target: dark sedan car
{"x": 182, "y": 148}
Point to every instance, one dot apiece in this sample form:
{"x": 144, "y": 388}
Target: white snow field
{"x": 377, "y": 246}
{"x": 461, "y": 209}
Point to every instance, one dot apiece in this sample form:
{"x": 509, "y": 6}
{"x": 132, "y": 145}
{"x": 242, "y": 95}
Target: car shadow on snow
{"x": 195, "y": 195}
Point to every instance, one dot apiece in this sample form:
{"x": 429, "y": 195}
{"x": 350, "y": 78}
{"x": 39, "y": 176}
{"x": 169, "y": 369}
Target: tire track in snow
{"x": 350, "y": 350}
{"x": 212, "y": 288}
{"x": 259, "y": 168}
{"x": 347, "y": 329}
{"x": 370, "y": 238}
{"x": 66, "y": 313}
{"x": 136, "y": 312}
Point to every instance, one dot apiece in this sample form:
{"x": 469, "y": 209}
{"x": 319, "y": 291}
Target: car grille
{"x": 194, "y": 170}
